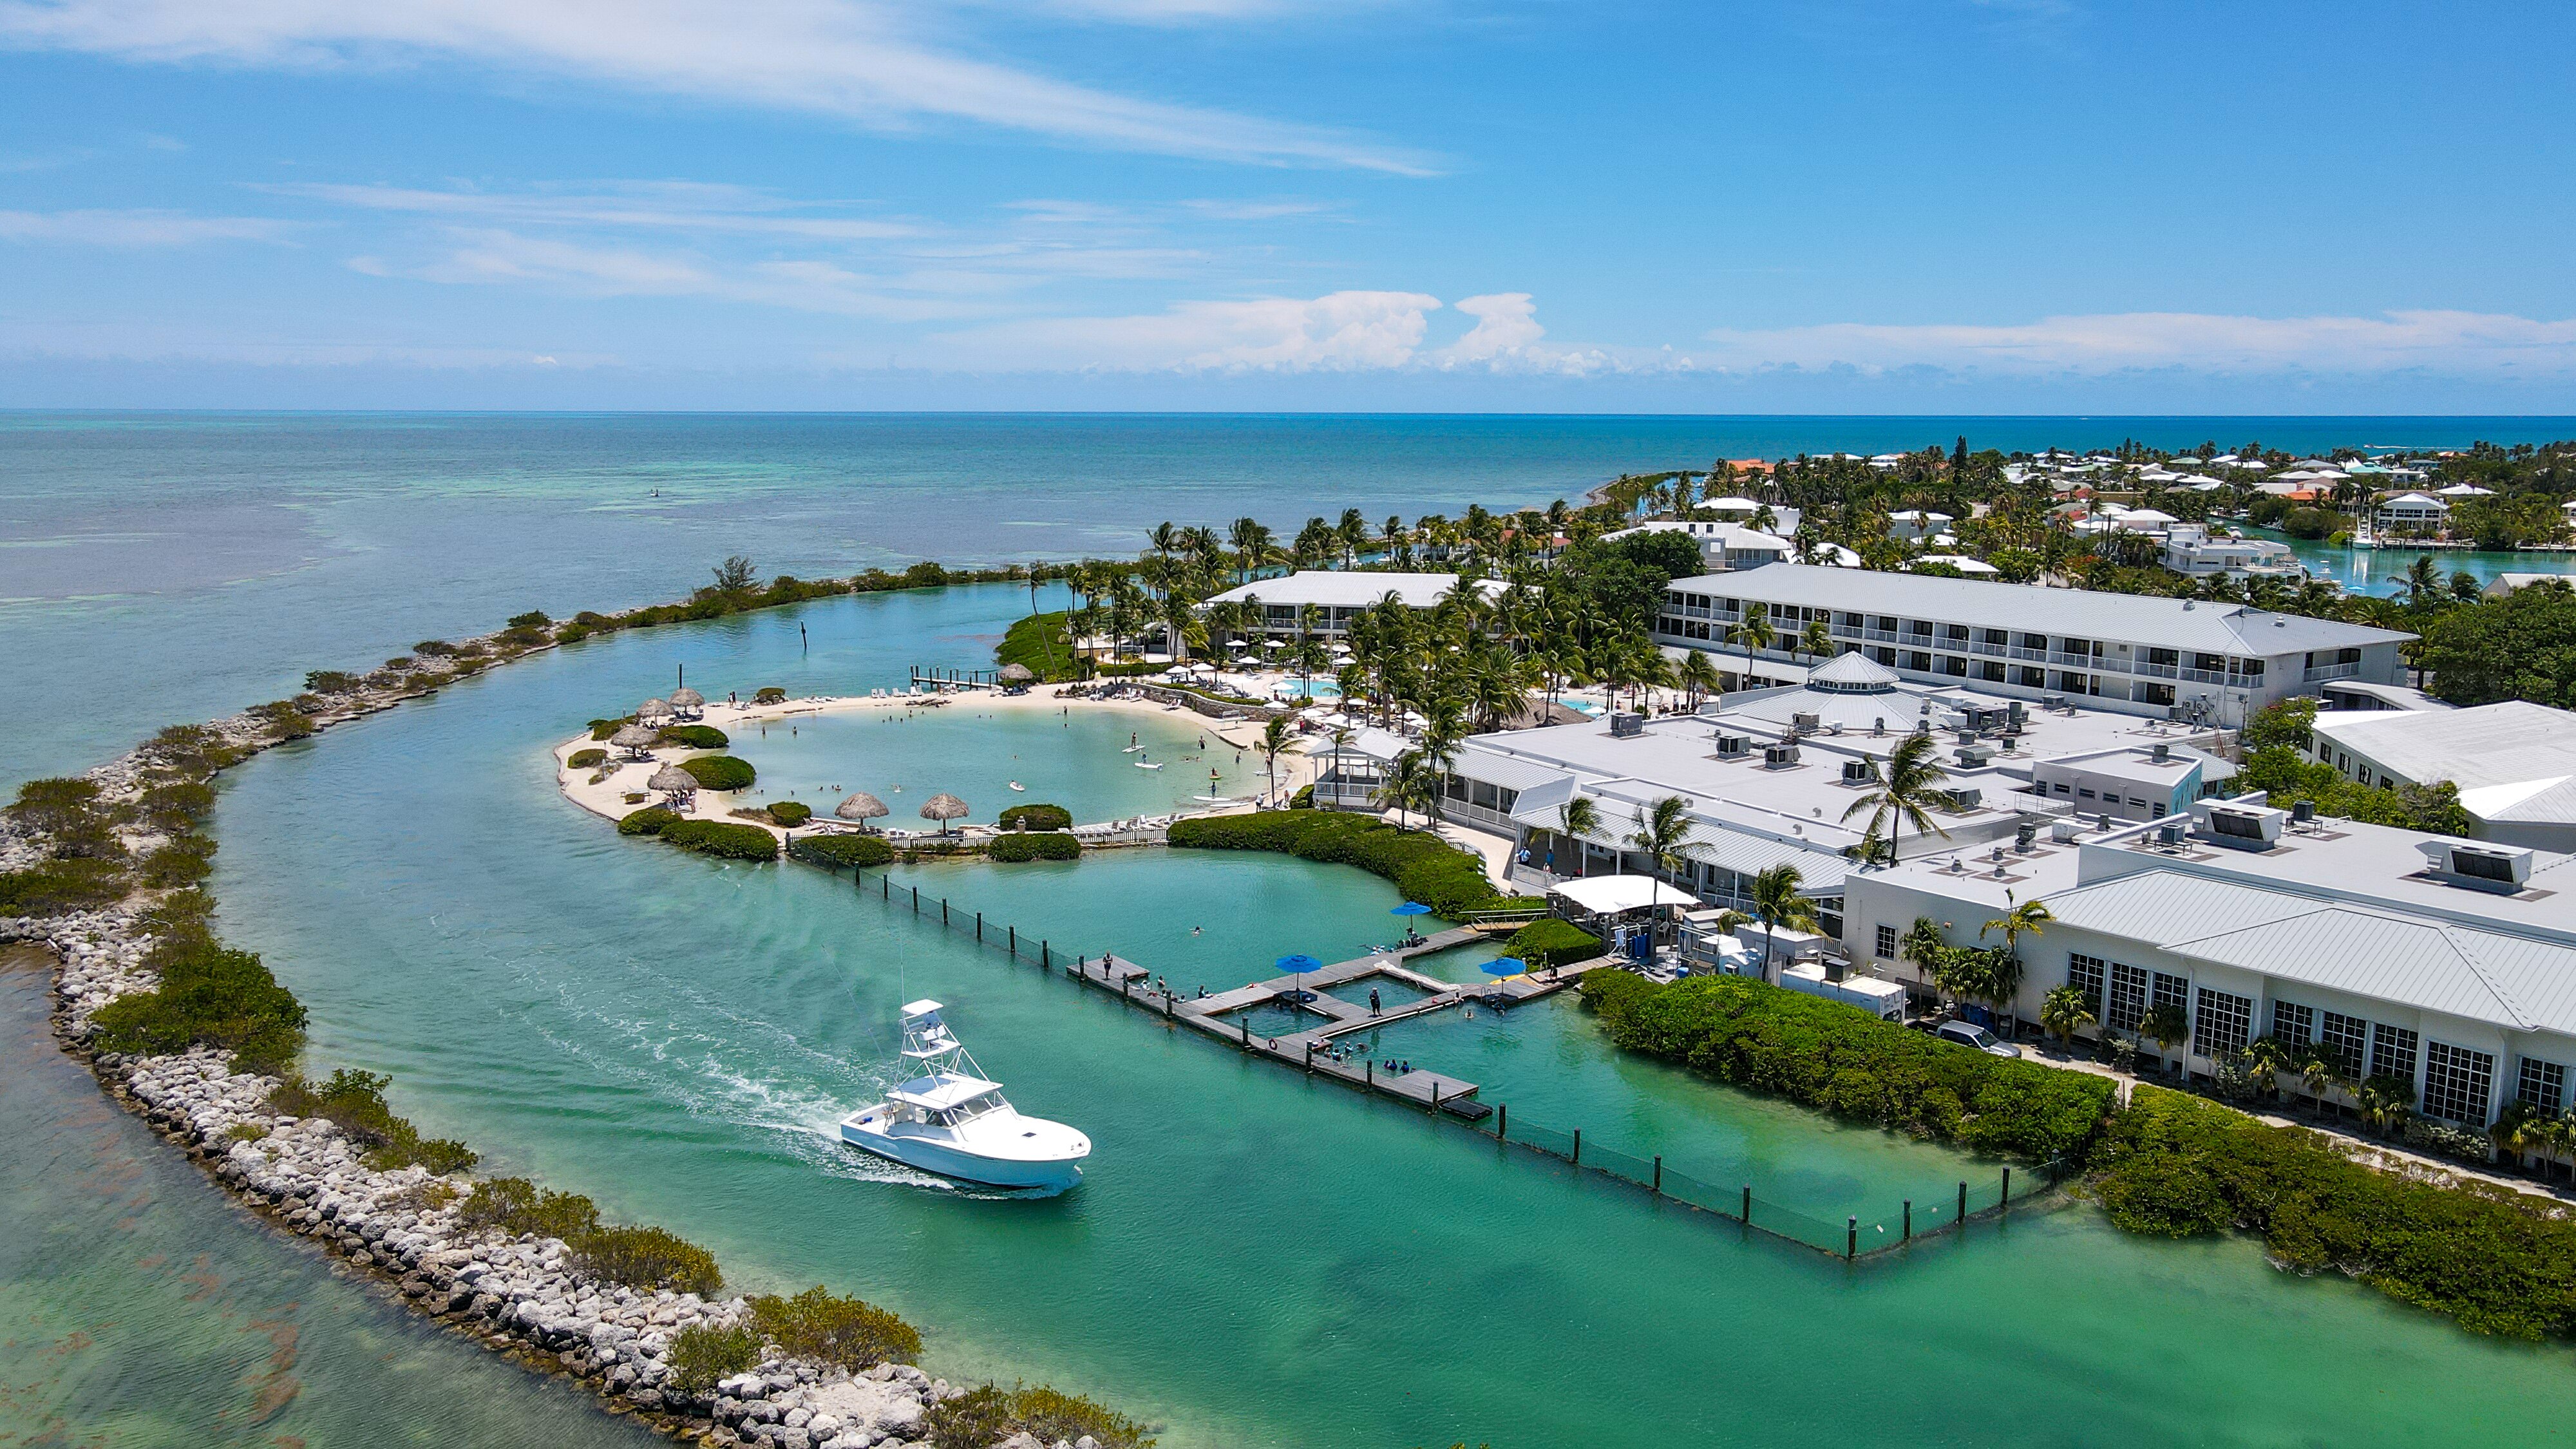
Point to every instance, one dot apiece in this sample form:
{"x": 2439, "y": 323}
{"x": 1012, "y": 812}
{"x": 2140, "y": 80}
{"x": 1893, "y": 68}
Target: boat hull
{"x": 947, "y": 1160}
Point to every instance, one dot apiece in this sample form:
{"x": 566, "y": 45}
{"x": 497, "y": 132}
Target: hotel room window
{"x": 2293, "y": 1025}
{"x": 2350, "y": 1038}
{"x": 2084, "y": 973}
{"x": 2543, "y": 1087}
{"x": 2392, "y": 1052}
{"x": 2457, "y": 1083}
{"x": 1886, "y": 942}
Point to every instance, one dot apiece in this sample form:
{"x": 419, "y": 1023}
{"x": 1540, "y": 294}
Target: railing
{"x": 2331, "y": 671}
{"x": 2020, "y": 651}
{"x": 2080, "y": 661}
{"x": 2205, "y": 676}
{"x": 1982, "y": 647}
{"x": 2160, "y": 671}
{"x": 1879, "y": 636}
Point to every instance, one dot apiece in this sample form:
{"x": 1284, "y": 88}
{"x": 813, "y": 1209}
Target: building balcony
{"x": 1982, "y": 647}
{"x": 2160, "y": 671}
{"x": 2205, "y": 676}
{"x": 2018, "y": 652}
{"x": 2332, "y": 671}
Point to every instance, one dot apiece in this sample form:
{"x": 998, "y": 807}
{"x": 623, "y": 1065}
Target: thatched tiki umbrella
{"x": 1017, "y": 674}
{"x": 636, "y": 740}
{"x": 687, "y": 703}
{"x": 861, "y": 807}
{"x": 653, "y": 709}
{"x": 678, "y": 785}
{"x": 943, "y": 807}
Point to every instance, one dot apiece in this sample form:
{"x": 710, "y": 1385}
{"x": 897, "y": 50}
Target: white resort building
{"x": 2213, "y": 663}
{"x": 2191, "y": 549}
{"x": 2448, "y": 964}
{"x": 2515, "y": 762}
{"x": 1724, "y": 547}
{"x": 1338, "y": 594}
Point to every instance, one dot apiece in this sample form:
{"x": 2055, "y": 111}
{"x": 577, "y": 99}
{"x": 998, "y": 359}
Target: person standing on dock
{"x": 1372, "y": 1001}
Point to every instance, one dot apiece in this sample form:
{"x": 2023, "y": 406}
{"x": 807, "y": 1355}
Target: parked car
{"x": 1969, "y": 1034}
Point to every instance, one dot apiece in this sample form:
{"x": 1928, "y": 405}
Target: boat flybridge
{"x": 948, "y": 1118}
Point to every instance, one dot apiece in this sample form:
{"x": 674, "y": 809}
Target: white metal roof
{"x": 1604, "y": 895}
{"x": 1348, "y": 589}
{"x": 2171, "y": 623}
{"x": 2510, "y": 743}
{"x": 946, "y": 1089}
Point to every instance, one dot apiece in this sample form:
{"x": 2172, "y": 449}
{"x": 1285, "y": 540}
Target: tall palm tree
{"x": 1354, "y": 532}
{"x": 1778, "y": 901}
{"x": 1817, "y": 640}
{"x": 1165, "y": 538}
{"x": 1754, "y": 634}
{"x": 1576, "y": 820}
{"x": 2024, "y": 919}
{"x": 1663, "y": 828}
{"x": 2063, "y": 1012}
{"x": 1410, "y": 783}
{"x": 1903, "y": 792}
{"x": 1698, "y": 676}
{"x": 1273, "y": 743}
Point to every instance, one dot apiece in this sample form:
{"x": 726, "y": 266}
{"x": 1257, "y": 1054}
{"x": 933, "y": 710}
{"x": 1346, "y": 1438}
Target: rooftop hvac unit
{"x": 1733, "y": 747}
{"x": 1973, "y": 757}
{"x": 2240, "y": 827}
{"x": 1806, "y": 722}
{"x": 2065, "y": 831}
{"x": 2504, "y": 869}
{"x": 2025, "y": 835}
{"x": 2160, "y": 752}
{"x": 2303, "y": 812}
{"x": 2052, "y": 701}
{"x": 1780, "y": 756}
{"x": 2169, "y": 834}
{"x": 1627, "y": 726}
{"x": 1855, "y": 772}
{"x": 1969, "y": 798}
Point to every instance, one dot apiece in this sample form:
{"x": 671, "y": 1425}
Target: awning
{"x": 1609, "y": 895}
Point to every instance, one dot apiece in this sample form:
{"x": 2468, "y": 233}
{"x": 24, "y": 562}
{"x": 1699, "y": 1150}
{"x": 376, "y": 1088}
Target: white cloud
{"x": 486, "y": 256}
{"x": 1340, "y": 331}
{"x": 2467, "y": 342}
{"x": 135, "y": 228}
{"x": 643, "y": 205}
{"x": 857, "y": 60}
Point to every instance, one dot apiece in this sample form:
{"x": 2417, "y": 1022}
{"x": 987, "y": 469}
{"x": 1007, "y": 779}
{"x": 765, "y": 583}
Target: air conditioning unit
{"x": 1855, "y": 772}
{"x": 2169, "y": 835}
{"x": 1733, "y": 747}
{"x": 1627, "y": 726}
{"x": 2239, "y": 827}
{"x": 1972, "y": 757}
{"x": 2065, "y": 832}
{"x": 2504, "y": 869}
{"x": 1969, "y": 798}
{"x": 1806, "y": 722}
{"x": 1780, "y": 756}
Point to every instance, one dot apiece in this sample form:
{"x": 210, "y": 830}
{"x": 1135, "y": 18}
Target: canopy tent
{"x": 1611, "y": 895}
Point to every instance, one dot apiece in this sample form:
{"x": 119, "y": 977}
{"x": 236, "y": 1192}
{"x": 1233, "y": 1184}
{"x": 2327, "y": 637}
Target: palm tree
{"x": 1410, "y": 783}
{"x": 1777, "y": 902}
{"x": 1576, "y": 819}
{"x": 1273, "y": 743}
{"x": 1816, "y": 639}
{"x": 1663, "y": 828}
{"x": 2168, "y": 1024}
{"x": 2321, "y": 1069}
{"x": 2021, "y": 920}
{"x": 1165, "y": 538}
{"x": 1698, "y": 676}
{"x": 1755, "y": 634}
{"x": 2267, "y": 1057}
{"x": 2064, "y": 1011}
{"x": 1904, "y": 792}
{"x": 2385, "y": 1101}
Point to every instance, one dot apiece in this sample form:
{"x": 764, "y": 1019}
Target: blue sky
{"x": 1912, "y": 205}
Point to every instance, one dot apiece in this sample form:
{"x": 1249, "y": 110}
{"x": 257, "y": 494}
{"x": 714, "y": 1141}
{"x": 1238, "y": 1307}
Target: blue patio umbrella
{"x": 1506, "y": 966}
{"x": 1410, "y": 908}
{"x": 1296, "y": 966}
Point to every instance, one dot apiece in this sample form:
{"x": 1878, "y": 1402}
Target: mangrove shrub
{"x": 842, "y": 851}
{"x": 1034, "y": 845}
{"x": 726, "y": 842}
{"x": 651, "y": 820}
{"x": 1037, "y": 817}
{"x": 1422, "y": 865}
{"x": 790, "y": 812}
{"x": 720, "y": 772}
{"x": 695, "y": 737}
{"x": 819, "y": 1324}
{"x": 1552, "y": 943}
{"x": 988, "y": 1415}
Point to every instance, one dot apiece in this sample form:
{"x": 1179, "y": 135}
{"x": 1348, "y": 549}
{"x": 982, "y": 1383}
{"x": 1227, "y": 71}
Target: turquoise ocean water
{"x": 1255, "y": 1260}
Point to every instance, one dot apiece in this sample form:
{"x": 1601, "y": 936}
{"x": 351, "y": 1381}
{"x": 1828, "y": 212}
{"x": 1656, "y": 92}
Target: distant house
{"x": 2190, "y": 548}
{"x": 1725, "y": 547}
{"x": 2411, "y": 512}
{"x": 1916, "y": 525}
{"x": 1336, "y": 595}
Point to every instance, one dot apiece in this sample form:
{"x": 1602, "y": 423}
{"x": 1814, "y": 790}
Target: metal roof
{"x": 2085, "y": 613}
{"x": 2514, "y": 742}
{"x": 2507, "y": 981}
{"x": 1820, "y": 870}
{"x": 1349, "y": 588}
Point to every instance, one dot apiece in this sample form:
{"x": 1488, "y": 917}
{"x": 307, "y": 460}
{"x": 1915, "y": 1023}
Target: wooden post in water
{"x": 1746, "y": 1216}
{"x": 2006, "y": 1199}
{"x": 1310, "y": 1058}
{"x": 943, "y": 910}
{"x": 916, "y": 900}
{"x": 1851, "y": 1238}
{"x": 1435, "y": 1096}
{"x": 1369, "y": 1071}
{"x": 1963, "y": 1204}
{"x": 1015, "y": 941}
{"x": 1502, "y": 1120}
{"x": 885, "y": 885}
{"x": 979, "y": 925}
{"x": 1909, "y": 1220}
{"x": 1245, "y": 1023}
{"x": 1045, "y": 957}
{"x": 1658, "y": 1188}
{"x": 1578, "y": 1147}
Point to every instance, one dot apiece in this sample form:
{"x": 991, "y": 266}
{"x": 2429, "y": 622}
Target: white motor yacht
{"x": 950, "y": 1119}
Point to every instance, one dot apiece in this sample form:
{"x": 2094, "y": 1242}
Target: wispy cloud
{"x": 2466, "y": 342}
{"x": 863, "y": 61}
{"x": 136, "y": 228}
{"x": 498, "y": 256}
{"x": 1340, "y": 331}
{"x": 682, "y": 206}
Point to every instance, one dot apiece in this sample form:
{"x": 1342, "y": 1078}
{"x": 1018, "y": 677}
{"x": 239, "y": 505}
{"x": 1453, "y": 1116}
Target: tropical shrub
{"x": 1034, "y": 845}
{"x": 55, "y": 886}
{"x": 515, "y": 1205}
{"x": 990, "y": 1414}
{"x": 601, "y": 729}
{"x": 724, "y": 841}
{"x": 586, "y": 759}
{"x": 769, "y": 694}
{"x": 651, "y": 820}
{"x": 68, "y": 814}
{"x": 355, "y": 1102}
{"x": 1039, "y": 643}
{"x": 1422, "y": 865}
{"x": 332, "y": 681}
{"x": 209, "y": 996}
{"x": 695, "y": 737}
{"x": 1850, "y": 1063}
{"x": 720, "y": 772}
{"x": 647, "y": 1258}
{"x": 818, "y": 1324}
{"x": 790, "y": 812}
{"x": 2493, "y": 1259}
{"x": 1552, "y": 943}
{"x": 1037, "y": 817}
{"x": 702, "y": 1354}
{"x": 842, "y": 851}
{"x": 184, "y": 861}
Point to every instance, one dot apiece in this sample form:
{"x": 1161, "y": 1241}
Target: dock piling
{"x": 1044, "y": 957}
{"x": 979, "y": 926}
{"x": 1963, "y": 1204}
{"x": 1578, "y": 1147}
{"x": 1502, "y": 1120}
{"x": 1659, "y": 1175}
{"x": 2006, "y": 1199}
{"x": 1015, "y": 941}
{"x": 1909, "y": 1220}
{"x": 1746, "y": 1216}
{"x": 943, "y": 910}
{"x": 1851, "y": 1238}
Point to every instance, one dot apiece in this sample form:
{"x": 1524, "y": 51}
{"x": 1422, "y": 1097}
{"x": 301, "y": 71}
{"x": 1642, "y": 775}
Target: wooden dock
{"x": 1309, "y": 1049}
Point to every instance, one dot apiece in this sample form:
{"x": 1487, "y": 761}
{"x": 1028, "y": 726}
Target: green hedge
{"x": 842, "y": 851}
{"x": 695, "y": 737}
{"x": 819, "y": 1324}
{"x": 789, "y": 812}
{"x": 647, "y": 1258}
{"x": 2178, "y": 1166}
{"x": 990, "y": 1414}
{"x": 355, "y": 1102}
{"x": 702, "y": 1354}
{"x": 208, "y": 996}
{"x": 720, "y": 772}
{"x": 1840, "y": 1058}
{"x": 1034, "y": 845}
{"x": 1037, "y": 817}
{"x": 1422, "y": 865}
{"x": 585, "y": 759}
{"x": 1552, "y": 943}
{"x": 61, "y": 885}
{"x": 722, "y": 840}
{"x": 651, "y": 820}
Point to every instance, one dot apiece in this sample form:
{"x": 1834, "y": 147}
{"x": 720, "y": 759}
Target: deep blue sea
{"x": 160, "y": 567}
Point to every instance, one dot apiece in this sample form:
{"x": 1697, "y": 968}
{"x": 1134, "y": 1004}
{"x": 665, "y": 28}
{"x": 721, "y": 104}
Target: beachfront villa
{"x": 2411, "y": 513}
{"x": 2448, "y": 964}
{"x": 1724, "y": 547}
{"x": 1338, "y": 595}
{"x": 2178, "y": 658}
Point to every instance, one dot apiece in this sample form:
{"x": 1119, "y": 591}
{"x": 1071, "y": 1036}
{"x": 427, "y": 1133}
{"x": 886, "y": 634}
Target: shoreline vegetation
{"x": 107, "y": 871}
{"x": 2162, "y": 1164}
